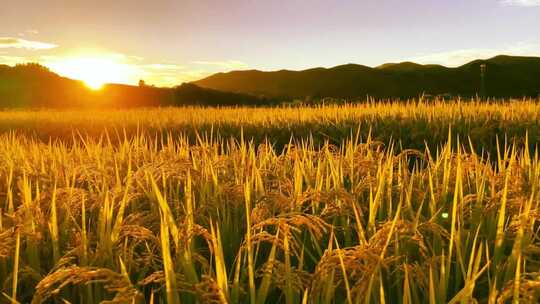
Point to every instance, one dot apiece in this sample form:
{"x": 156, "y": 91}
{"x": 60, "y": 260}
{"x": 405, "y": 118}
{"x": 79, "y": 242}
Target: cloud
{"x": 227, "y": 64}
{"x": 192, "y": 75}
{"x": 521, "y": 2}
{"x": 167, "y": 74}
{"x": 135, "y": 58}
{"x": 163, "y": 66}
{"x": 28, "y": 32}
{"x": 10, "y": 42}
{"x": 455, "y": 58}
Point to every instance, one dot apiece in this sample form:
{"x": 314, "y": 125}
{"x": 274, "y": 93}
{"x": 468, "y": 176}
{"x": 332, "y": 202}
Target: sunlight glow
{"x": 93, "y": 71}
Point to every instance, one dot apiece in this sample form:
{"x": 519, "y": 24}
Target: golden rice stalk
{"x": 113, "y": 282}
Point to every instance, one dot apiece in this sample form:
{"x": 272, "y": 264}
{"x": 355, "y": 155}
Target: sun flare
{"x": 93, "y": 71}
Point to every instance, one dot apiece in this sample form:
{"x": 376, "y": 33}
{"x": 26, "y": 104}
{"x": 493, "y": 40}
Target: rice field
{"x": 370, "y": 203}
{"x": 413, "y": 124}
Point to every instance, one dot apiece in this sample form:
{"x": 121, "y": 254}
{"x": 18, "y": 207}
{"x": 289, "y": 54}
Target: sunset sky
{"x": 169, "y": 42}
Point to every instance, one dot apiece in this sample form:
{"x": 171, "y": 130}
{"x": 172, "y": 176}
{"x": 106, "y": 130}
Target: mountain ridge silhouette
{"x": 506, "y": 76}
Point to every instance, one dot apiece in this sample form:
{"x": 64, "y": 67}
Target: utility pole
{"x": 483, "y": 80}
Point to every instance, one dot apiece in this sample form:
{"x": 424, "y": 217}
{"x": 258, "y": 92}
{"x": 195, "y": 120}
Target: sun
{"x": 94, "y": 71}
{"x": 94, "y": 84}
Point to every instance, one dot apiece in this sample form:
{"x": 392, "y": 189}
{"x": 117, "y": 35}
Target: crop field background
{"x": 373, "y": 203}
{"x": 411, "y": 125}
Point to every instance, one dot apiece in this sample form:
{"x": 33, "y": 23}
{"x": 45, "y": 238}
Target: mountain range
{"x": 504, "y": 76}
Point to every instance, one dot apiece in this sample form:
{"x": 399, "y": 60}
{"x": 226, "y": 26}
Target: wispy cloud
{"x": 462, "y": 56}
{"x": 191, "y": 75}
{"x": 163, "y": 66}
{"x": 18, "y": 43}
{"x": 28, "y": 32}
{"x": 227, "y": 64}
{"x": 171, "y": 74}
{"x": 521, "y": 2}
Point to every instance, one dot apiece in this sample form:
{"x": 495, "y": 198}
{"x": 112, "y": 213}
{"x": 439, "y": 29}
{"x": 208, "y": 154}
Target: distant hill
{"x": 506, "y": 76}
{"x": 34, "y": 86}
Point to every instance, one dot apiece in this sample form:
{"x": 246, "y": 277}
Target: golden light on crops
{"x": 455, "y": 215}
{"x": 94, "y": 71}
